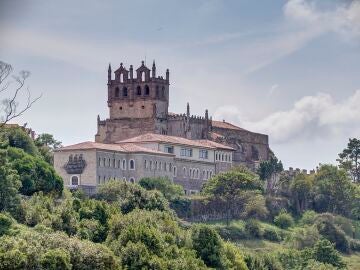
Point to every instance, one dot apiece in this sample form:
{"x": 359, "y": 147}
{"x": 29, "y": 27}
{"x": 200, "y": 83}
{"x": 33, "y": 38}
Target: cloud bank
{"x": 311, "y": 117}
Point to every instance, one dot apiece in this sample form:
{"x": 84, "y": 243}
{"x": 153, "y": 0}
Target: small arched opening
{"x": 147, "y": 90}
{"x": 143, "y": 76}
{"x": 132, "y": 164}
{"x": 138, "y": 90}
{"x": 117, "y": 92}
{"x": 74, "y": 180}
{"x": 121, "y": 78}
{"x": 125, "y": 92}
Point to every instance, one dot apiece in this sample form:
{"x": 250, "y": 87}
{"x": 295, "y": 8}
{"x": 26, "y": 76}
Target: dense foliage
{"x": 309, "y": 221}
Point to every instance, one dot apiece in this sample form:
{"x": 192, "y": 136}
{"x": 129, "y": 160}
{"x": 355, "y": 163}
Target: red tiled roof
{"x": 128, "y": 147}
{"x": 151, "y": 137}
{"x": 222, "y": 124}
{"x": 215, "y": 144}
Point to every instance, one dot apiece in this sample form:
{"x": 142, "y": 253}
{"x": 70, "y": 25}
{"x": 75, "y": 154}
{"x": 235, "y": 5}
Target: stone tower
{"x": 137, "y": 105}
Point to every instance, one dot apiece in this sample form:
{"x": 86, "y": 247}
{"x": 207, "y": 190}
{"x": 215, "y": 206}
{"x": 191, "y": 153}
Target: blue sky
{"x": 289, "y": 69}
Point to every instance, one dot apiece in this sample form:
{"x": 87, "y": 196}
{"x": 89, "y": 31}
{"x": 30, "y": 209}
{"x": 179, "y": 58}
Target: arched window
{"x": 204, "y": 174}
{"x": 132, "y": 164}
{"x": 121, "y": 78}
{"x": 174, "y": 171}
{"x": 160, "y": 166}
{"x": 74, "y": 180}
{"x": 124, "y": 164}
{"x": 184, "y": 172}
{"x": 132, "y": 180}
{"x": 222, "y": 157}
{"x": 145, "y": 164}
{"x": 138, "y": 90}
{"x": 156, "y": 165}
{"x": 117, "y": 92}
{"x": 119, "y": 164}
{"x": 99, "y": 162}
{"x": 125, "y": 92}
{"x": 151, "y": 164}
{"x": 143, "y": 76}
{"x": 147, "y": 90}
{"x": 190, "y": 173}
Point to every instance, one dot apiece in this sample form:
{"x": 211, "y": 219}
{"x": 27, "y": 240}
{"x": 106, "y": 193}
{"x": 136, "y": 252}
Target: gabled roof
{"x": 125, "y": 148}
{"x": 151, "y": 137}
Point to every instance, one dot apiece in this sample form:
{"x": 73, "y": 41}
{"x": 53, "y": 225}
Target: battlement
{"x": 293, "y": 172}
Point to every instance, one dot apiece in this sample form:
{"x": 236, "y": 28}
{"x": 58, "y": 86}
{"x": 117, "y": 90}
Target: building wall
{"x": 87, "y": 177}
{"x": 189, "y": 181}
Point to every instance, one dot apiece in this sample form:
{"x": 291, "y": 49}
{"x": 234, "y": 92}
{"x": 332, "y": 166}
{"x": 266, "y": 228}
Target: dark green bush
{"x": 272, "y": 235}
{"x": 253, "y": 228}
{"x": 284, "y": 220}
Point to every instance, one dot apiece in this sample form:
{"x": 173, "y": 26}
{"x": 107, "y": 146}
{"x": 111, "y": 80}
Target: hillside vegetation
{"x": 239, "y": 221}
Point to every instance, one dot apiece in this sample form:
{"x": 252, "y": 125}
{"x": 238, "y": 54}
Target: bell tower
{"x": 137, "y": 104}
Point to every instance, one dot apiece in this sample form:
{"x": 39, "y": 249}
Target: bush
{"x": 327, "y": 228}
{"x": 303, "y": 237}
{"x": 232, "y": 233}
{"x": 5, "y": 224}
{"x": 325, "y": 252}
{"x": 207, "y": 245}
{"x": 308, "y": 218}
{"x": 272, "y": 235}
{"x": 56, "y": 259}
{"x": 253, "y": 228}
{"x": 284, "y": 220}
{"x": 355, "y": 245}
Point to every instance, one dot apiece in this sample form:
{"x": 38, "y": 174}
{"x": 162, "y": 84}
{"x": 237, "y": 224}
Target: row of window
{"x": 140, "y": 92}
{"x": 116, "y": 164}
{"x": 194, "y": 173}
{"x": 104, "y": 179}
{"x": 223, "y": 157}
{"x": 160, "y": 166}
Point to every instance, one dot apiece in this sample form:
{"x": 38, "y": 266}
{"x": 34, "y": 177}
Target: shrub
{"x": 5, "y": 224}
{"x": 272, "y": 235}
{"x": 284, "y": 220}
{"x": 308, "y": 217}
{"x": 253, "y": 228}
{"x": 303, "y": 237}
{"x": 56, "y": 259}
{"x": 325, "y": 252}
{"x": 232, "y": 233}
{"x": 233, "y": 259}
{"x": 207, "y": 245}
{"x": 326, "y": 227}
{"x": 355, "y": 245}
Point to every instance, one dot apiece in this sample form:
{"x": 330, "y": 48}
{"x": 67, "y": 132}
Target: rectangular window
{"x": 186, "y": 152}
{"x": 169, "y": 149}
{"x": 203, "y": 154}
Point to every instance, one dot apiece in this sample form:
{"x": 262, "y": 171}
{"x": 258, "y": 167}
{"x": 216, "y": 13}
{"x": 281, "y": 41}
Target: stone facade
{"x": 185, "y": 162}
{"x": 139, "y": 105}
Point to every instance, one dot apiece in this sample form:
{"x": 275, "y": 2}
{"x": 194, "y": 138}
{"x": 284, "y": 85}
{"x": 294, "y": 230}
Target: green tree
{"x": 349, "y": 159}
{"x": 9, "y": 186}
{"x": 231, "y": 186}
{"x": 35, "y": 174}
{"x": 46, "y": 145}
{"x": 333, "y": 191}
{"x": 207, "y": 244}
{"x": 325, "y": 252}
{"x": 56, "y": 259}
{"x": 301, "y": 188}
{"x": 269, "y": 167}
{"x": 170, "y": 190}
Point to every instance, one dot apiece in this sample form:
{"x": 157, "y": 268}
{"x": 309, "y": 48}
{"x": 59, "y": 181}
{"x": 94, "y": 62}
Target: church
{"x": 141, "y": 138}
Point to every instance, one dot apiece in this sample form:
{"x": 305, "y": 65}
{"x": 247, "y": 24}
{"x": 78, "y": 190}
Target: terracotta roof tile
{"x": 151, "y": 137}
{"x": 126, "y": 148}
{"x": 222, "y": 124}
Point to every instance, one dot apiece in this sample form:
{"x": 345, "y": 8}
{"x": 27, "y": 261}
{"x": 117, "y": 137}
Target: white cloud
{"x": 343, "y": 17}
{"x": 311, "y": 117}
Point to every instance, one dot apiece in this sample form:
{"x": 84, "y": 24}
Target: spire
{"x": 167, "y": 75}
{"x": 206, "y": 115}
{"x": 188, "y": 110}
{"x": 153, "y": 70}
{"x": 109, "y": 73}
{"x": 131, "y": 72}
